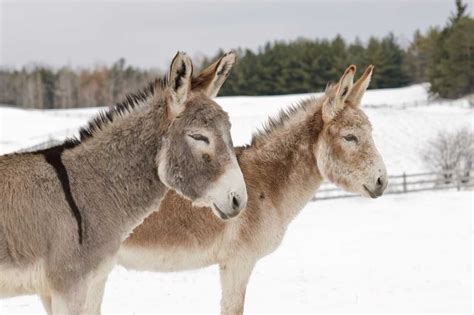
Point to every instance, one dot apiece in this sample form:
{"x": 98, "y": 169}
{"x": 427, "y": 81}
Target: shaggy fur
{"x": 131, "y": 102}
{"x": 282, "y": 169}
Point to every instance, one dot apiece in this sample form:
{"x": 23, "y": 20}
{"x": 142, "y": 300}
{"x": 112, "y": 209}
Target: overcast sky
{"x": 148, "y": 33}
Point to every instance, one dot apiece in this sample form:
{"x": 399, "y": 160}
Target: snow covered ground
{"x": 402, "y": 253}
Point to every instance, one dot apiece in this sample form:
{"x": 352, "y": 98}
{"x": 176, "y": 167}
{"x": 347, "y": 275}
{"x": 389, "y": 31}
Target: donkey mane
{"x": 285, "y": 117}
{"x": 132, "y": 101}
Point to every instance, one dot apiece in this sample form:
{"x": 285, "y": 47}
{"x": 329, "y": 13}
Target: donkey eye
{"x": 199, "y": 137}
{"x": 351, "y": 138}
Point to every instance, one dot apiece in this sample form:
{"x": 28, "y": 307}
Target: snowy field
{"x": 403, "y": 253}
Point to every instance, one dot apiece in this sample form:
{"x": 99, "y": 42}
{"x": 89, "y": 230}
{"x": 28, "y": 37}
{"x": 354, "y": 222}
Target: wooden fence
{"x": 405, "y": 183}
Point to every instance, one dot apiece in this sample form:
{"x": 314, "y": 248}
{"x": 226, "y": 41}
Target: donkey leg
{"x": 47, "y": 303}
{"x": 96, "y": 286}
{"x": 70, "y": 302}
{"x": 95, "y": 295}
{"x": 234, "y": 278}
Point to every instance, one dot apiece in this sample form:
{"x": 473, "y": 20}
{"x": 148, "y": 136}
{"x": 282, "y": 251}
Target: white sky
{"x": 148, "y": 33}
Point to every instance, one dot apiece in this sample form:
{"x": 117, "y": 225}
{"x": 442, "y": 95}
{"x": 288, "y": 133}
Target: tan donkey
{"x": 65, "y": 211}
{"x": 325, "y": 138}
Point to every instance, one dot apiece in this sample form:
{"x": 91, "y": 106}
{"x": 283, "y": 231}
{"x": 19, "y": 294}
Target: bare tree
{"x": 31, "y": 95}
{"x": 65, "y": 94}
{"x": 450, "y": 151}
{"x": 43, "y": 87}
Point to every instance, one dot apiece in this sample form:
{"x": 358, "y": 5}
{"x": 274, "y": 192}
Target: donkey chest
{"x": 22, "y": 280}
{"x": 269, "y": 237}
{"x": 162, "y": 259}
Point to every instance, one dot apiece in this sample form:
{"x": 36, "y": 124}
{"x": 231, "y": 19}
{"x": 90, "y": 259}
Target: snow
{"x": 399, "y": 253}
{"x": 24, "y": 128}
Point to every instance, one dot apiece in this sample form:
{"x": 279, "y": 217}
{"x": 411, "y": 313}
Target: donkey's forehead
{"x": 204, "y": 111}
{"x": 353, "y": 117}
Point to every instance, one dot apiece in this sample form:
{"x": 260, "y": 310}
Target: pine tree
{"x": 460, "y": 12}
{"x": 451, "y": 71}
{"x": 357, "y": 54}
{"x": 48, "y": 79}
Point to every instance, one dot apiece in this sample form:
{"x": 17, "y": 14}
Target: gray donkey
{"x": 64, "y": 211}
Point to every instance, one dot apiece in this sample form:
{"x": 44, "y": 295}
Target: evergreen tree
{"x": 451, "y": 71}
{"x": 48, "y": 80}
{"x": 460, "y": 12}
{"x": 339, "y": 56}
{"x": 357, "y": 54}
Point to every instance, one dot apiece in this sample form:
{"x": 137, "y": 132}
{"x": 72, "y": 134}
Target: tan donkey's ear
{"x": 361, "y": 85}
{"x": 211, "y": 79}
{"x": 337, "y": 95}
{"x": 179, "y": 81}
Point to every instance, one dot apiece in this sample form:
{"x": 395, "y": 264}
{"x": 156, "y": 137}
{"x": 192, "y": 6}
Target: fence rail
{"x": 405, "y": 183}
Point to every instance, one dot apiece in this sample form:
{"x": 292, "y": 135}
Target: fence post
{"x": 404, "y": 182}
{"x": 458, "y": 180}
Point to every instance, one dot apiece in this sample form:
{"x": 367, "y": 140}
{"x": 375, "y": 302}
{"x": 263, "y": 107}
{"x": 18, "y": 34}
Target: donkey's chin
{"x": 221, "y": 214}
{"x": 369, "y": 193}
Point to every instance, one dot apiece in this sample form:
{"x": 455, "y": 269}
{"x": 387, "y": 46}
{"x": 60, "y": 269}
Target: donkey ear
{"x": 361, "y": 85}
{"x": 179, "y": 81}
{"x": 211, "y": 79}
{"x": 338, "y": 94}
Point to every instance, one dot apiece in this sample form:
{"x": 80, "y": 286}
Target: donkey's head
{"x": 346, "y": 152}
{"x": 197, "y": 156}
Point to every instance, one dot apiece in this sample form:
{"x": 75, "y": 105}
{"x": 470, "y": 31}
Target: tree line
{"x": 44, "y": 88}
{"x": 307, "y": 65}
{"x": 442, "y": 56}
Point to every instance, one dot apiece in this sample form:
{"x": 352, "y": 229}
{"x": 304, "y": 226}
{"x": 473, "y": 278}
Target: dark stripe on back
{"x": 53, "y": 157}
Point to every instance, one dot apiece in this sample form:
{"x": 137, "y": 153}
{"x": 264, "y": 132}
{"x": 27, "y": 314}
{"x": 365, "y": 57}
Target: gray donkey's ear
{"x": 211, "y": 79}
{"x": 179, "y": 81}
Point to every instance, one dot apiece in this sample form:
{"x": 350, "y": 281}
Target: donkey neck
{"x": 282, "y": 159}
{"x": 120, "y": 160}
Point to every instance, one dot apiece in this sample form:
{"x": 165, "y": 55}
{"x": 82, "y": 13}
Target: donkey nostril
{"x": 235, "y": 203}
{"x": 380, "y": 181}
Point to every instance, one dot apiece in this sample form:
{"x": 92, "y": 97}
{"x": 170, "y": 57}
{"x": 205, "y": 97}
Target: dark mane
{"x": 128, "y": 105}
{"x": 104, "y": 118}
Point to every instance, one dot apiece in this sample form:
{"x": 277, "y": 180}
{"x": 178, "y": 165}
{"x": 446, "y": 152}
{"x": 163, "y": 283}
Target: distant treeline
{"x": 308, "y": 65}
{"x": 442, "y": 56}
{"x": 42, "y": 87}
